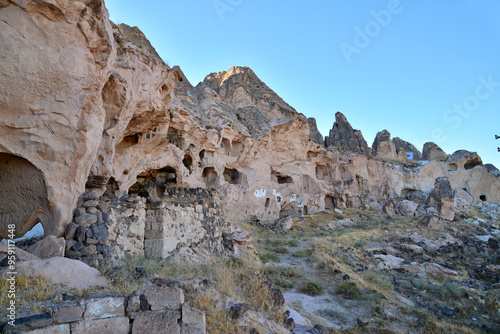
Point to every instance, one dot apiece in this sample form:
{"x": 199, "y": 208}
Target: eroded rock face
{"x": 433, "y": 152}
{"x": 404, "y": 147}
{"x": 383, "y": 146}
{"x": 345, "y": 137}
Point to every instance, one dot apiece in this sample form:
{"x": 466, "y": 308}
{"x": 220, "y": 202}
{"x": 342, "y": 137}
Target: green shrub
{"x": 312, "y": 288}
{"x": 349, "y": 290}
{"x": 285, "y": 284}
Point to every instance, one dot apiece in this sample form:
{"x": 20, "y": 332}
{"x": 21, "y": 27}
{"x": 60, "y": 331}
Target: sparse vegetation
{"x": 312, "y": 288}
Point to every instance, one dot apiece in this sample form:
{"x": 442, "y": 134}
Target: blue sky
{"x": 424, "y": 70}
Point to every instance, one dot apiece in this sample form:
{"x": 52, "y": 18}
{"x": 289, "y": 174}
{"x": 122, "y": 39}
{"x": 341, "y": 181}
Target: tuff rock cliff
{"x": 89, "y": 105}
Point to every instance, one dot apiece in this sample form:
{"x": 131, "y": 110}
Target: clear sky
{"x": 424, "y": 70}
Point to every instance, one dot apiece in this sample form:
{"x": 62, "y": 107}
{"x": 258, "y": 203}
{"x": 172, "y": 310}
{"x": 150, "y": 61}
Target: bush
{"x": 285, "y": 284}
{"x": 312, "y": 288}
{"x": 349, "y": 290}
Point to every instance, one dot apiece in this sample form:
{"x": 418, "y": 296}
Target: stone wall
{"x": 184, "y": 217}
{"x": 107, "y": 228}
{"x": 155, "y": 310}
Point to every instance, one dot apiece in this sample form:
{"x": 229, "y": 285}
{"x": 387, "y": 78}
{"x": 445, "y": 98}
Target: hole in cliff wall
{"x": 268, "y": 202}
{"x": 473, "y": 163}
{"x": 483, "y": 198}
{"x": 226, "y": 146}
{"x": 23, "y": 195}
{"x": 175, "y": 138}
{"x": 452, "y": 167}
{"x": 188, "y": 162}
{"x": 281, "y": 178}
{"x": 129, "y": 141}
{"x": 96, "y": 181}
{"x": 210, "y": 177}
{"x": 202, "y": 154}
{"x": 111, "y": 187}
{"x": 405, "y": 192}
{"x": 153, "y": 182}
{"x": 311, "y": 155}
{"x": 305, "y": 210}
{"x": 323, "y": 172}
{"x": 232, "y": 176}
{"x": 329, "y": 202}
{"x": 237, "y": 148}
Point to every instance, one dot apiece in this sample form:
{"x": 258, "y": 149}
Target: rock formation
{"x": 343, "y": 136}
{"x": 404, "y": 147}
{"x": 383, "y": 146}
{"x": 105, "y": 115}
{"x": 433, "y": 152}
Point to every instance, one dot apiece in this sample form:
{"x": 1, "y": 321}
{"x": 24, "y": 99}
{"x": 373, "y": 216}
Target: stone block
{"x": 48, "y": 247}
{"x": 66, "y": 314}
{"x": 70, "y": 232}
{"x": 193, "y": 320}
{"x": 117, "y": 325}
{"x": 85, "y": 220}
{"x": 166, "y": 322}
{"x": 107, "y": 307}
{"x": 164, "y": 298}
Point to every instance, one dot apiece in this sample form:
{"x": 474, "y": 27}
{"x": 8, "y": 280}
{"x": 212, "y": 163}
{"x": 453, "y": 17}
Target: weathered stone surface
{"x": 66, "y": 314}
{"x": 433, "y": 152}
{"x": 50, "y": 246}
{"x": 70, "y": 232}
{"x": 389, "y": 207}
{"x": 404, "y": 147}
{"x": 383, "y": 146}
{"x": 106, "y": 307}
{"x": 432, "y": 219}
{"x": 193, "y": 320}
{"x": 286, "y": 223}
{"x": 86, "y": 220}
{"x": 406, "y": 208}
{"x": 345, "y": 137}
{"x": 443, "y": 198}
{"x": 164, "y": 298}
{"x": 54, "y": 329}
{"x": 28, "y": 324}
{"x": 389, "y": 261}
{"x": 157, "y": 322}
{"x": 238, "y": 310}
{"x": 59, "y": 270}
{"x": 21, "y": 255}
{"x": 117, "y": 325}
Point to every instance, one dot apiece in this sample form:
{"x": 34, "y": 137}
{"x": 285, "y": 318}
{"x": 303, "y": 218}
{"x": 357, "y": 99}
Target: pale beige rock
{"x": 389, "y": 261}
{"x": 59, "y": 270}
{"x": 436, "y": 270}
{"x": 406, "y": 208}
{"x": 164, "y": 298}
{"x": 117, "y": 325}
{"x": 106, "y": 307}
{"x": 48, "y": 247}
{"x": 193, "y": 320}
{"x": 21, "y": 255}
{"x": 157, "y": 322}
{"x": 286, "y": 223}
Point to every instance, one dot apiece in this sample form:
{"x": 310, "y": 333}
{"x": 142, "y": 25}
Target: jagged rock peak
{"x": 403, "y": 147}
{"x": 345, "y": 137}
{"x": 383, "y": 146}
{"x": 433, "y": 152}
{"x": 135, "y": 36}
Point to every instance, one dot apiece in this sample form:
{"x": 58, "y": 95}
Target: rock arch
{"x": 23, "y": 195}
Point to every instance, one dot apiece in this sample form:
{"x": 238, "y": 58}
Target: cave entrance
{"x": 329, "y": 202}
{"x": 23, "y": 195}
{"x": 232, "y": 176}
{"x": 154, "y": 182}
{"x": 281, "y": 178}
{"x": 483, "y": 198}
{"x": 210, "y": 177}
{"x": 188, "y": 162}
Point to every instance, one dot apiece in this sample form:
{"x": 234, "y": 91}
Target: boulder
{"x": 21, "y": 255}
{"x": 383, "y": 146}
{"x": 389, "y": 261}
{"x": 406, "y": 208}
{"x": 286, "y": 223}
{"x": 443, "y": 198}
{"x": 193, "y": 320}
{"x": 164, "y": 298}
{"x": 433, "y": 152}
{"x": 432, "y": 219}
{"x": 389, "y": 207}
{"x": 67, "y": 314}
{"x": 343, "y": 136}
{"x": 50, "y": 246}
{"x": 73, "y": 274}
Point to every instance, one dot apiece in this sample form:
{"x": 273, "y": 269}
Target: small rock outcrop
{"x": 343, "y": 136}
{"x": 404, "y": 147}
{"x": 383, "y": 146}
{"x": 433, "y": 152}
{"x": 443, "y": 198}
